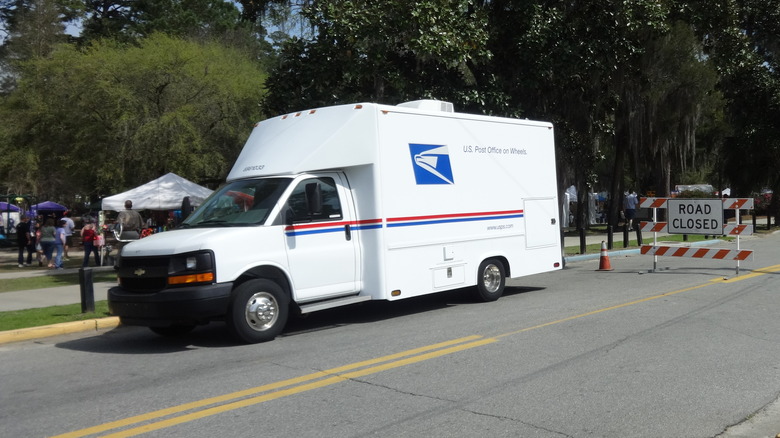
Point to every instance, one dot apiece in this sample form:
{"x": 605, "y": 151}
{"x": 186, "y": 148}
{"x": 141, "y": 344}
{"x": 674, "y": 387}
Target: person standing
{"x": 69, "y": 227}
{"x": 36, "y": 232}
{"x": 88, "y": 237}
{"x": 59, "y": 243}
{"x": 131, "y": 222}
{"x": 47, "y": 240}
{"x": 24, "y": 241}
{"x": 630, "y": 202}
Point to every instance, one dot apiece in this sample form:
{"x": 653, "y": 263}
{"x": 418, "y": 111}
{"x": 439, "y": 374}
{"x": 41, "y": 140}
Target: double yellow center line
{"x": 187, "y": 412}
{"x": 273, "y": 391}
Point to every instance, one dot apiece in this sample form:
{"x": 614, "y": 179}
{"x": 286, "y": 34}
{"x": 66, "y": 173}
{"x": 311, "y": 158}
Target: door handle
{"x": 348, "y": 232}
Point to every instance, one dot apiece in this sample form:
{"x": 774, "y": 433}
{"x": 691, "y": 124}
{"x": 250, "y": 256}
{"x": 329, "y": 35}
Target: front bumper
{"x": 176, "y": 306}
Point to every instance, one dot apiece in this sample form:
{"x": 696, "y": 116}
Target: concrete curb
{"x": 64, "y": 328}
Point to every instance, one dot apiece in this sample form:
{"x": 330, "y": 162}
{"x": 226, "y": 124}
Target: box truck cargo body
{"x": 338, "y": 205}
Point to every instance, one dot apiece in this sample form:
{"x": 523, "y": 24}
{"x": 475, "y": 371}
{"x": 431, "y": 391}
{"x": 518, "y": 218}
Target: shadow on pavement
{"x": 141, "y": 340}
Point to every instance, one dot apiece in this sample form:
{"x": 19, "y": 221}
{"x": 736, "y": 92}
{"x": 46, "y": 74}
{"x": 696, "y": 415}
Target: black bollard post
{"x": 87, "y": 290}
{"x": 625, "y": 236}
{"x": 609, "y": 237}
{"x": 582, "y": 240}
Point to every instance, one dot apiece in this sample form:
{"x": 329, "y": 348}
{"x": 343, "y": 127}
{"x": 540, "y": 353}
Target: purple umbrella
{"x": 4, "y": 206}
{"x": 48, "y": 206}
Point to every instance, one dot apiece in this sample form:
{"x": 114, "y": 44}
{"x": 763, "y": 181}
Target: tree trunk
{"x": 622, "y": 139}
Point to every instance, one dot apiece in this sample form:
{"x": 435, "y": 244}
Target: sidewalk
{"x": 51, "y": 296}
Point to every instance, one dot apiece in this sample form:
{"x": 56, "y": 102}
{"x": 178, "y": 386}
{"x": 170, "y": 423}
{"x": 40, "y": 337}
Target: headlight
{"x": 192, "y": 268}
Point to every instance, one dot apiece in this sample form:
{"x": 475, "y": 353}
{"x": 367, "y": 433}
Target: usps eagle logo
{"x": 431, "y": 164}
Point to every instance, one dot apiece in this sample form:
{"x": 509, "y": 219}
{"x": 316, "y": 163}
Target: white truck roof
{"x": 328, "y": 138}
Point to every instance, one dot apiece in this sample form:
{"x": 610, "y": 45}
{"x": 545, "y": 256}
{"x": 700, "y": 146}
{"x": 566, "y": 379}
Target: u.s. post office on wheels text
{"x": 338, "y": 205}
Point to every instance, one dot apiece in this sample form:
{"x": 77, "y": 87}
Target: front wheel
{"x": 491, "y": 279}
{"x": 258, "y": 311}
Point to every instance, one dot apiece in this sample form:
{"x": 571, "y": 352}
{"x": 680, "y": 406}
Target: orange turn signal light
{"x": 192, "y": 278}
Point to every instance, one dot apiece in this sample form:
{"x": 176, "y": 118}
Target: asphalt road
{"x": 687, "y": 351}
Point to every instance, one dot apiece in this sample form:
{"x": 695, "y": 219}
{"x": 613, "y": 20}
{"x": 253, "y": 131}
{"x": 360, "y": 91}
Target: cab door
{"x": 322, "y": 248}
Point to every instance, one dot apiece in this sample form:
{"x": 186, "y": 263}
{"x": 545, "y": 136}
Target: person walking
{"x": 88, "y": 237}
{"x": 630, "y": 202}
{"x": 59, "y": 243}
{"x": 24, "y": 241}
{"x": 131, "y": 222}
{"x": 47, "y": 240}
{"x": 69, "y": 227}
{"x": 38, "y": 248}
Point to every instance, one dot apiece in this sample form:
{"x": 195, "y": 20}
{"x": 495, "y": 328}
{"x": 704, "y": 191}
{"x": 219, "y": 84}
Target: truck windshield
{"x": 239, "y": 203}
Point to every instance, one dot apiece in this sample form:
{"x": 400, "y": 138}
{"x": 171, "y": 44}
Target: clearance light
{"x": 556, "y": 265}
{"x": 297, "y": 114}
{"x": 312, "y": 111}
{"x": 192, "y": 278}
{"x": 396, "y": 293}
{"x": 358, "y": 106}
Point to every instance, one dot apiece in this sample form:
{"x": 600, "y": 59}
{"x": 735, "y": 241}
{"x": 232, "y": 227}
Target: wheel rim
{"x": 491, "y": 278}
{"x": 261, "y": 311}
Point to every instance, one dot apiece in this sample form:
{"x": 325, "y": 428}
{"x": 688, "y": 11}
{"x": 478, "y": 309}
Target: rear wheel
{"x": 491, "y": 279}
{"x": 258, "y": 311}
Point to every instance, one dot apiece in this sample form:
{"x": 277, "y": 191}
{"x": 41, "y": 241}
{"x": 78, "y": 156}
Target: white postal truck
{"x": 339, "y": 205}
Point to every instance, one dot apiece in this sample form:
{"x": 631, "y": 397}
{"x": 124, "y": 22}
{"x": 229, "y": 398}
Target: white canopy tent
{"x": 164, "y": 193}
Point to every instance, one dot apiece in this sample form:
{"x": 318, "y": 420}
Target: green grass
{"x": 44, "y": 281}
{"x": 17, "y": 319}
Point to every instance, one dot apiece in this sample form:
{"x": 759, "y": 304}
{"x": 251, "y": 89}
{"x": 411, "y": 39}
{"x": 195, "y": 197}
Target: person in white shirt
{"x": 68, "y": 228}
{"x": 630, "y": 202}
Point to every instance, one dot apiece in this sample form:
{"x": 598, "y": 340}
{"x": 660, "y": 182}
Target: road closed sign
{"x": 695, "y": 216}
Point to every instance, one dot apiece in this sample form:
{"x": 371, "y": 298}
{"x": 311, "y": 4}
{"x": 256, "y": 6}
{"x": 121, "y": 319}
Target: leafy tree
{"x": 184, "y": 17}
{"x": 107, "y": 19}
{"x": 571, "y": 62}
{"x": 112, "y": 117}
{"x": 677, "y": 94}
{"x": 743, "y": 40}
{"x": 381, "y": 51}
{"x": 33, "y": 28}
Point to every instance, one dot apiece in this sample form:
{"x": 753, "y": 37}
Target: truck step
{"x": 336, "y": 302}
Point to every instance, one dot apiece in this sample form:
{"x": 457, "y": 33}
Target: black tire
{"x": 258, "y": 311}
{"x": 491, "y": 279}
{"x": 172, "y": 331}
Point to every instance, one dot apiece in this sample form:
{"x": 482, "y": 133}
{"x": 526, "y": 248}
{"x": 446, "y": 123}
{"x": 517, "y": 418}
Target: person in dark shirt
{"x": 24, "y": 241}
{"x": 131, "y": 222}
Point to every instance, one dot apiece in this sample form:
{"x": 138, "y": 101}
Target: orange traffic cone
{"x": 604, "y": 264}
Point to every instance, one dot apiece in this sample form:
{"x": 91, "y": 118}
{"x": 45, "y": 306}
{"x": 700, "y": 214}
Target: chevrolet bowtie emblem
{"x": 139, "y": 272}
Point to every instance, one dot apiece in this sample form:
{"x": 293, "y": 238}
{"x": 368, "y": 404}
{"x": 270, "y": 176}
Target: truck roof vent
{"x": 429, "y": 105}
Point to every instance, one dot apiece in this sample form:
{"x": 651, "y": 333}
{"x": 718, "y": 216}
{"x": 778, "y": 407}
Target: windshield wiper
{"x": 210, "y": 222}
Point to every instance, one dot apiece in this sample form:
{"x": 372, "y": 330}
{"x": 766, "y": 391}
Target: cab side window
{"x": 297, "y": 204}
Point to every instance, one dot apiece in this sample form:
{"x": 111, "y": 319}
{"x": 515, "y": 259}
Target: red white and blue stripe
{"x": 410, "y": 221}
{"x": 414, "y": 221}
